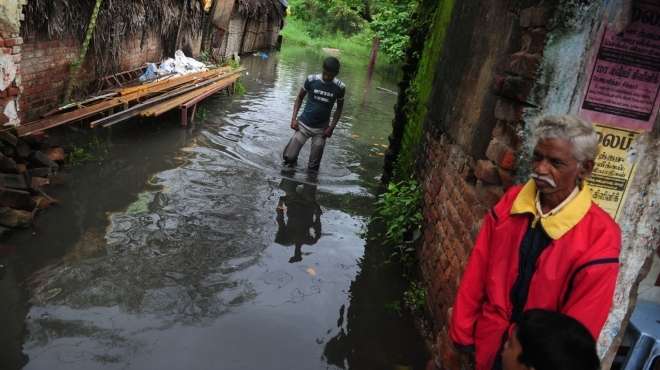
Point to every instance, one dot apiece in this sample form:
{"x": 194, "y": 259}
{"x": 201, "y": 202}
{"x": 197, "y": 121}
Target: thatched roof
{"x": 272, "y": 9}
{"x": 121, "y": 20}
{"x": 118, "y": 21}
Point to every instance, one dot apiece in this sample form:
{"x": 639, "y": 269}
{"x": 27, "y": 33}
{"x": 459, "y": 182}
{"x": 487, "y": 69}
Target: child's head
{"x": 548, "y": 340}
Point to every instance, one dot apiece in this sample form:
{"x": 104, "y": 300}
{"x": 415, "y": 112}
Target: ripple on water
{"x": 200, "y": 265}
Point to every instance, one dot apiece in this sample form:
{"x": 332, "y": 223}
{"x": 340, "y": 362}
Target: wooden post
{"x": 207, "y": 35}
{"x": 178, "y": 32}
{"x": 374, "y": 55}
{"x": 75, "y": 66}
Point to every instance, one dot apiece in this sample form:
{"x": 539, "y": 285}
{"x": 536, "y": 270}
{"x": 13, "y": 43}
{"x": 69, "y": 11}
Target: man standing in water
{"x": 314, "y": 122}
{"x": 544, "y": 245}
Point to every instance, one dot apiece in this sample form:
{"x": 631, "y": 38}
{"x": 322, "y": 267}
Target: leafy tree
{"x": 330, "y": 17}
{"x": 391, "y": 22}
{"x": 387, "y": 19}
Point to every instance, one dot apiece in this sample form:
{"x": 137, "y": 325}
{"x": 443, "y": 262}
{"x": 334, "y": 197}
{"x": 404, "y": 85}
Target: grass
{"x": 240, "y": 88}
{"x": 94, "y": 150}
{"x": 358, "y": 45}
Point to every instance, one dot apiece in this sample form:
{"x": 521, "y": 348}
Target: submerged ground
{"x": 169, "y": 252}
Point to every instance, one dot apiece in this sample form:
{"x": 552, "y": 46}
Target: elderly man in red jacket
{"x": 544, "y": 245}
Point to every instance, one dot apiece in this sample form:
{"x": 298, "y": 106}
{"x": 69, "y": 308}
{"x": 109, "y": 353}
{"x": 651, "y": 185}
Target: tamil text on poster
{"x": 624, "y": 81}
{"x": 614, "y": 168}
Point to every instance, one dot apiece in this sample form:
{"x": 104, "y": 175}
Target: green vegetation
{"x": 331, "y": 16}
{"x": 415, "y": 297}
{"x": 358, "y": 45}
{"x": 419, "y": 91}
{"x": 233, "y": 63}
{"x": 350, "y": 26}
{"x": 95, "y": 150}
{"x": 391, "y": 24}
{"x": 400, "y": 209}
{"x": 207, "y": 58}
{"x": 240, "y": 88}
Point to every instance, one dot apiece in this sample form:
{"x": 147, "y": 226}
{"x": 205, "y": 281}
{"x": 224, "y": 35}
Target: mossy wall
{"x": 420, "y": 89}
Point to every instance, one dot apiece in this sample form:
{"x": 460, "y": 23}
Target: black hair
{"x": 551, "y": 341}
{"x": 331, "y": 64}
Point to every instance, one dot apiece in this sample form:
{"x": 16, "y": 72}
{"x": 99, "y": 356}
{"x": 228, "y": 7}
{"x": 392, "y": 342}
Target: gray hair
{"x": 578, "y": 132}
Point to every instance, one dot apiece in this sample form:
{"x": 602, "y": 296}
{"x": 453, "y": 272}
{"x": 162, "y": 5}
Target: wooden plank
{"x": 170, "y": 104}
{"x": 173, "y": 81}
{"x": 203, "y": 96}
{"x": 79, "y": 104}
{"x": 67, "y": 117}
{"x": 91, "y": 110}
{"x": 137, "y": 109}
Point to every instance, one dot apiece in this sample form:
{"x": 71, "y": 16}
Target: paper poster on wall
{"x": 624, "y": 82}
{"x": 614, "y": 168}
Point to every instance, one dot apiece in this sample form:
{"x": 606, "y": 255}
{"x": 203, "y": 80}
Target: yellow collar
{"x": 555, "y": 224}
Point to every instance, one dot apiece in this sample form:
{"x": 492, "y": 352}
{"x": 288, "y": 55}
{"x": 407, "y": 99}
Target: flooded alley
{"x": 190, "y": 249}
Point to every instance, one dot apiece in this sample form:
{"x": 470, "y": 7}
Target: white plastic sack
{"x": 150, "y": 73}
{"x": 181, "y": 64}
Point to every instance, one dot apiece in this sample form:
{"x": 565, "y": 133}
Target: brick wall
{"x": 10, "y": 72}
{"x": 139, "y": 51}
{"x": 503, "y": 66}
{"x": 45, "y": 72}
{"x": 10, "y": 61}
{"x": 474, "y": 130}
{"x": 45, "y": 69}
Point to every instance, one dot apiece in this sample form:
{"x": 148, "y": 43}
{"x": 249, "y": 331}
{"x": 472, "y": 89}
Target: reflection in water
{"x": 302, "y": 224}
{"x": 168, "y": 255}
{"x": 370, "y": 334}
{"x": 11, "y": 317}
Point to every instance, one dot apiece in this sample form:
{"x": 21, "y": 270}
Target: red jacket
{"x": 576, "y": 274}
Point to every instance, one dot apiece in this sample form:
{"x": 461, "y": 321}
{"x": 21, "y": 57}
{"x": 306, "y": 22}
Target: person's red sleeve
{"x": 591, "y": 289}
{"x": 471, "y": 291}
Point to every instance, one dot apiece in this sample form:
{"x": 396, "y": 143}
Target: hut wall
{"x": 274, "y": 33}
{"x": 246, "y": 35}
{"x": 250, "y": 36}
{"x": 234, "y": 35}
{"x": 221, "y": 51}
{"x": 264, "y": 35}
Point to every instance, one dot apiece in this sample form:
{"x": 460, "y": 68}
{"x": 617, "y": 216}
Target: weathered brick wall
{"x": 474, "y": 131}
{"x": 10, "y": 72}
{"x": 10, "y": 61}
{"x": 46, "y": 69}
{"x": 140, "y": 51}
{"x": 503, "y": 66}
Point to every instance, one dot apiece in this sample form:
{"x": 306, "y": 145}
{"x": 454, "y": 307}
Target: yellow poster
{"x": 614, "y": 168}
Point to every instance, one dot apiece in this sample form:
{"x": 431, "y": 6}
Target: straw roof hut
{"x": 120, "y": 21}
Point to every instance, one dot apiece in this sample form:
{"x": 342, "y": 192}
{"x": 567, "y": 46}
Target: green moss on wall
{"x": 420, "y": 89}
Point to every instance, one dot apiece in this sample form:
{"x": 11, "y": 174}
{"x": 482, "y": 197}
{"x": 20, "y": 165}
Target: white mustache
{"x": 547, "y": 179}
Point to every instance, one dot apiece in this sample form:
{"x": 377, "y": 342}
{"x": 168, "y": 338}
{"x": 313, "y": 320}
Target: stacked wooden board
{"x": 147, "y": 100}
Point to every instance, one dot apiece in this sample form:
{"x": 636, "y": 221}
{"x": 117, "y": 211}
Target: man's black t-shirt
{"x": 321, "y": 97}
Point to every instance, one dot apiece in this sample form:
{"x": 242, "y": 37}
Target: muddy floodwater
{"x": 190, "y": 249}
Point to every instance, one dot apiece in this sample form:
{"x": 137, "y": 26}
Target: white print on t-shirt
{"x": 319, "y": 95}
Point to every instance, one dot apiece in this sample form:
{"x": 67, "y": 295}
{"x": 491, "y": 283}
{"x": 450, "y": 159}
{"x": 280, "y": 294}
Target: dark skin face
{"x": 554, "y": 158}
{"x": 328, "y": 76}
{"x": 510, "y": 353}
